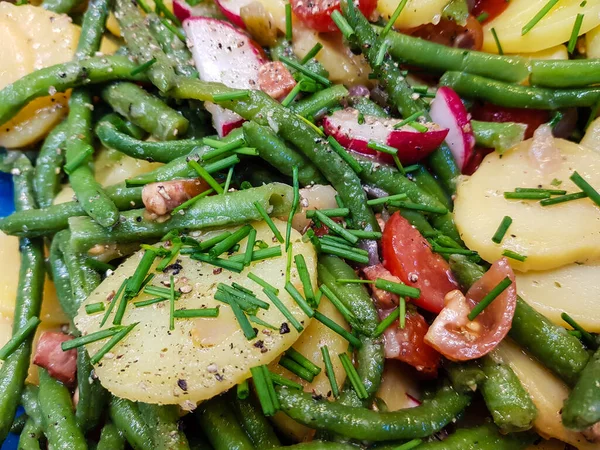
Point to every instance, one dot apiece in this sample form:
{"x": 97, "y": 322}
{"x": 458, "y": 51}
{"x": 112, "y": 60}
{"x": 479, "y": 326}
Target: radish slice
{"x": 223, "y": 54}
{"x": 231, "y": 9}
{"x": 183, "y": 10}
{"x": 448, "y": 111}
{"x": 412, "y": 145}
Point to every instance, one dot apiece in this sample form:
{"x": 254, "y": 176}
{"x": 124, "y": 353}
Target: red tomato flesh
{"x": 408, "y": 255}
{"x": 492, "y": 7}
{"x": 533, "y": 118}
{"x": 316, "y": 14}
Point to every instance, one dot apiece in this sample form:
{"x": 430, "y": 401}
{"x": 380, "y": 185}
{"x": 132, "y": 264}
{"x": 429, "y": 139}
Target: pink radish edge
{"x": 232, "y": 10}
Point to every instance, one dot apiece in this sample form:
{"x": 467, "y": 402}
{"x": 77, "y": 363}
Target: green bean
{"x": 47, "y": 221}
{"x": 499, "y": 136}
{"x": 429, "y": 184}
{"x": 111, "y": 438}
{"x": 92, "y": 396}
{"x": 143, "y": 45}
{"x": 254, "y": 422}
{"x": 582, "y": 408}
{"x": 318, "y": 445}
{"x": 320, "y": 101}
{"x": 517, "y": 96}
{"x": 18, "y": 424}
{"x": 61, "y": 6}
{"x": 29, "y": 438}
{"x": 418, "y": 221}
{"x": 28, "y": 302}
{"x": 172, "y": 46}
{"x": 63, "y": 77}
{"x": 145, "y": 110}
{"x": 485, "y": 437}
{"x": 163, "y": 420}
{"x": 552, "y": 345}
{"x": 511, "y": 406}
{"x": 283, "y": 47}
{"x": 565, "y": 74}
{"x": 83, "y": 278}
{"x": 127, "y": 418}
{"x": 49, "y": 162}
{"x": 367, "y": 107}
{"x": 60, "y": 426}
{"x": 221, "y": 427}
{"x": 124, "y": 126}
{"x": 222, "y": 210}
{"x": 274, "y": 151}
{"x": 33, "y": 429}
{"x": 465, "y": 377}
{"x": 361, "y": 423}
{"x": 92, "y": 28}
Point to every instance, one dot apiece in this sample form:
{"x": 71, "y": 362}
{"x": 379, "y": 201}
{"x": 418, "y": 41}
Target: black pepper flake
{"x": 317, "y": 397}
{"x": 219, "y": 377}
{"x": 182, "y": 384}
{"x": 259, "y": 344}
{"x": 175, "y": 268}
{"x": 284, "y": 328}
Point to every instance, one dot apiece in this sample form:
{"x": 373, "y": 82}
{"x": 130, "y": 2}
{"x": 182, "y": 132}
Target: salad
{"x": 314, "y": 224}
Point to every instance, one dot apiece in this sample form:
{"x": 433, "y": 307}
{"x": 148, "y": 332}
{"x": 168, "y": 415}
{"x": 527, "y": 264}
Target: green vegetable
{"x": 485, "y": 437}
{"x": 582, "y": 408}
{"x": 111, "y": 438}
{"x": 429, "y": 184}
{"x": 500, "y": 136}
{"x": 255, "y": 424}
{"x": 61, "y": 6}
{"x": 127, "y": 418}
{"x": 163, "y": 424}
{"x": 320, "y": 101}
{"x": 47, "y": 177}
{"x": 92, "y": 396}
{"x": 34, "y": 428}
{"x": 465, "y": 377}
{"x": 221, "y": 427}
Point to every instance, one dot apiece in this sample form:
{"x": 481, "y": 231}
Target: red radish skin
{"x": 448, "y": 111}
{"x": 412, "y": 145}
{"x": 223, "y": 54}
{"x": 231, "y": 9}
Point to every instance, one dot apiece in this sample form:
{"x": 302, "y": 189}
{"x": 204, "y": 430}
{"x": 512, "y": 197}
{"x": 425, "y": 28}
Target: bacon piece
{"x": 162, "y": 198}
{"x": 383, "y": 299}
{"x": 49, "y": 355}
{"x": 275, "y": 80}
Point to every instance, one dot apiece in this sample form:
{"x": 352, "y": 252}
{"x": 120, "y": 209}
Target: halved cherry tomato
{"x": 533, "y": 118}
{"x": 408, "y": 255}
{"x": 408, "y": 345}
{"x": 458, "y": 338}
{"x": 316, "y": 14}
{"x": 492, "y": 7}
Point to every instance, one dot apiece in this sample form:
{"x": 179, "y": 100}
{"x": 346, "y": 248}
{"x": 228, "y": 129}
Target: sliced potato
{"x": 551, "y": 236}
{"x": 592, "y": 43}
{"x": 591, "y": 139}
{"x": 415, "y": 13}
{"x": 554, "y": 29}
{"x": 547, "y": 392}
{"x": 396, "y": 383}
{"x": 559, "y": 52}
{"x": 572, "y": 289}
{"x": 201, "y": 357}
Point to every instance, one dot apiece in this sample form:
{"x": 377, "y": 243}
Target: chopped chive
{"x": 19, "y": 337}
{"x": 502, "y": 229}
{"x": 191, "y": 201}
{"x": 143, "y": 67}
{"x": 236, "y": 95}
{"x": 333, "y": 212}
{"x": 326, "y": 240}
{"x": 397, "y": 288}
{"x": 382, "y": 148}
{"x": 244, "y": 323}
{"x": 147, "y": 280}
{"x": 287, "y": 101}
{"x": 312, "y": 53}
{"x": 271, "y": 388}
{"x": 118, "y": 337}
{"x": 587, "y": 338}
{"x": 228, "y": 180}
{"x": 205, "y": 176}
{"x": 489, "y": 298}
{"x": 389, "y": 198}
{"x": 234, "y": 266}
{"x": 252, "y": 318}
{"x": 250, "y": 247}
{"x": 410, "y": 445}
{"x": 228, "y": 298}
{"x": 269, "y": 221}
{"x": 385, "y": 323}
{"x": 347, "y": 157}
{"x": 296, "y": 368}
{"x": 262, "y": 390}
{"x": 173, "y": 29}
{"x": 137, "y": 279}
{"x": 282, "y": 308}
{"x": 585, "y": 187}
{"x": 222, "y": 164}
{"x": 526, "y": 195}
{"x": 342, "y": 24}
{"x": 239, "y": 287}
{"x": 419, "y": 127}
{"x": 346, "y": 254}
{"x": 452, "y": 250}
{"x": 94, "y": 308}
{"x": 398, "y": 164}
{"x": 408, "y": 120}
{"x": 402, "y": 313}
{"x": 355, "y": 381}
{"x": 205, "y": 245}
{"x": 99, "y": 266}
{"x": 192, "y": 313}
{"x": 283, "y": 381}
{"x": 307, "y": 286}
{"x": 356, "y": 343}
{"x": 172, "y": 303}
{"x": 74, "y": 163}
{"x": 393, "y": 19}
{"x": 295, "y": 294}
{"x": 294, "y": 208}
{"x": 419, "y": 207}
{"x": 362, "y": 234}
{"x": 89, "y": 338}
{"x": 169, "y": 258}
{"x": 302, "y": 69}
{"x": 259, "y": 255}
{"x": 149, "y": 302}
{"x": 336, "y": 227}
{"x": 411, "y": 168}
{"x": 482, "y": 17}
{"x": 497, "y": 41}
{"x": 514, "y": 255}
{"x": 160, "y": 7}
{"x": 539, "y": 16}
{"x": 288, "y": 22}
{"x": 243, "y": 294}
{"x": 303, "y": 361}
{"x": 221, "y": 149}
{"x": 114, "y": 301}
{"x": 263, "y": 283}
{"x": 547, "y": 191}
{"x": 339, "y": 201}
{"x": 354, "y": 281}
{"x": 245, "y": 185}
{"x": 160, "y": 292}
{"x": 214, "y": 143}
{"x": 339, "y": 305}
{"x": 226, "y": 244}
{"x": 381, "y": 52}
{"x": 243, "y": 390}
{"x": 335, "y": 390}
{"x": 563, "y": 199}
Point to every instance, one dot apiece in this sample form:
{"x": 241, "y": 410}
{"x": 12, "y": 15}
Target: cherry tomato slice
{"x": 316, "y": 14}
{"x": 533, "y": 118}
{"x": 493, "y": 8}
{"x": 458, "y": 338}
{"x": 408, "y": 255}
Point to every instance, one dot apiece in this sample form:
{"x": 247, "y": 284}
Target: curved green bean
{"x": 367, "y": 107}
{"x": 221, "y": 427}
{"x": 254, "y": 422}
{"x": 283, "y": 47}
{"x": 111, "y": 438}
{"x": 29, "y": 439}
{"x": 31, "y": 404}
{"x": 127, "y": 418}
{"x": 83, "y": 278}
{"x": 92, "y": 28}
{"x": 565, "y": 74}
{"x": 465, "y": 377}
{"x": 485, "y": 437}
{"x": 320, "y": 101}
{"x": 172, "y": 46}
{"x": 582, "y": 408}
{"x": 429, "y": 184}
{"x": 60, "y": 274}
{"x": 145, "y": 110}
{"x": 92, "y": 396}
{"x": 500, "y": 136}
{"x": 47, "y": 176}
{"x": 61, "y": 6}
{"x": 162, "y": 421}
{"x": 319, "y": 445}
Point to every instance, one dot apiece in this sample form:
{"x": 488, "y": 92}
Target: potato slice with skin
{"x": 572, "y": 289}
{"x": 547, "y": 392}
{"x": 549, "y": 236}
{"x": 201, "y": 357}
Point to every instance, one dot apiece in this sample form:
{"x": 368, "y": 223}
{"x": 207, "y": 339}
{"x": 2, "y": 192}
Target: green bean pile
{"x": 146, "y": 102}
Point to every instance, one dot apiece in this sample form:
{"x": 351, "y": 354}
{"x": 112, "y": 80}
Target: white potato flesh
{"x": 550, "y": 236}
{"x": 318, "y": 196}
{"x": 397, "y": 385}
{"x": 554, "y": 29}
{"x": 415, "y": 13}
{"x": 210, "y": 355}
{"x": 592, "y": 43}
{"x": 572, "y": 289}
{"x": 591, "y": 139}
{"x": 547, "y": 392}
{"x": 559, "y": 52}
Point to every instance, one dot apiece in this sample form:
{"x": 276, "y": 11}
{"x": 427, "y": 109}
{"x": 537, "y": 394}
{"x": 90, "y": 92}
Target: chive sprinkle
{"x": 287, "y": 101}
{"x": 114, "y": 301}
{"x": 137, "y": 279}
{"x": 19, "y": 337}
{"x": 419, "y": 207}
{"x": 221, "y": 148}
{"x": 489, "y": 298}
{"x": 288, "y": 230}
{"x": 419, "y": 127}
{"x": 356, "y": 343}
{"x": 402, "y": 313}
{"x": 226, "y": 244}
{"x": 408, "y": 120}
{"x": 339, "y": 305}
{"x": 236, "y": 95}
{"x": 296, "y": 368}
{"x": 243, "y": 390}
{"x": 89, "y": 338}
{"x": 362, "y": 234}
{"x": 259, "y": 255}
{"x": 342, "y": 24}
{"x": 160, "y": 292}
{"x": 354, "y": 281}
{"x": 74, "y": 163}
{"x": 149, "y": 302}
{"x": 347, "y": 157}
{"x": 410, "y": 445}
{"x": 381, "y": 52}
{"x": 335, "y": 390}
{"x": 385, "y": 323}
{"x": 563, "y": 199}
{"x": 269, "y": 221}
{"x": 393, "y": 19}
{"x": 143, "y": 67}
{"x": 245, "y": 325}
{"x": 497, "y": 41}
{"x": 118, "y": 337}
{"x": 514, "y": 255}
{"x": 205, "y": 176}
{"x": 169, "y": 258}
{"x": 263, "y": 283}
{"x": 288, "y": 22}
{"x": 482, "y": 17}
{"x": 228, "y": 298}
{"x": 539, "y": 16}
{"x": 333, "y": 212}
{"x": 161, "y": 8}
{"x": 303, "y": 361}
{"x": 282, "y": 308}
{"x": 526, "y": 195}
{"x": 586, "y": 337}
{"x": 228, "y": 180}
{"x": 355, "y": 381}
{"x": 205, "y": 245}
{"x": 312, "y": 53}
{"x": 271, "y": 388}
{"x": 283, "y": 381}
{"x": 172, "y": 303}
{"x": 302, "y": 69}
{"x": 192, "y": 313}
{"x": 222, "y": 164}
{"x": 239, "y": 287}
{"x": 397, "y": 288}
{"x": 262, "y": 391}
{"x": 336, "y": 227}
{"x": 305, "y": 278}
{"x": 339, "y": 201}
{"x": 346, "y": 254}
{"x": 249, "y": 247}
{"x": 241, "y": 293}
{"x": 94, "y": 308}
{"x": 297, "y": 297}
{"x": 252, "y": 318}
{"x": 502, "y": 229}
{"x": 233, "y": 266}
{"x": 383, "y": 200}
{"x": 452, "y": 250}
{"x": 315, "y": 128}
{"x": 326, "y": 240}
{"x": 586, "y": 187}
{"x": 547, "y": 191}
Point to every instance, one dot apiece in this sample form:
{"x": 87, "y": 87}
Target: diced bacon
{"x": 49, "y": 355}
{"x": 162, "y": 198}
{"x": 383, "y": 299}
{"x": 275, "y": 80}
